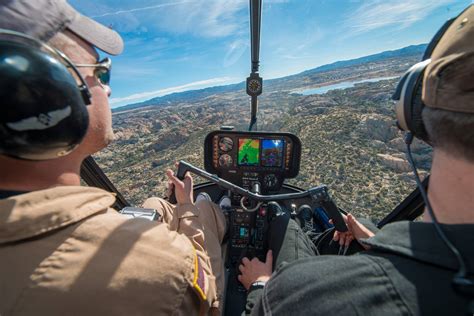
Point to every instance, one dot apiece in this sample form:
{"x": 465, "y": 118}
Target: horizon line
{"x": 243, "y": 80}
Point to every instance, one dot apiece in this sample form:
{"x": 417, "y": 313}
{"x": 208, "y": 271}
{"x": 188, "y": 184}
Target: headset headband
{"x": 84, "y": 89}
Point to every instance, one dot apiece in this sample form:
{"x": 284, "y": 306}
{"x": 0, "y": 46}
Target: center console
{"x": 247, "y": 238}
{"x": 258, "y": 162}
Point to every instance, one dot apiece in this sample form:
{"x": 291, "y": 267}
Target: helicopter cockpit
{"x": 325, "y": 147}
{"x": 250, "y": 169}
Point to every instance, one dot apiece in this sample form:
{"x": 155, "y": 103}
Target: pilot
{"x": 407, "y": 269}
{"x": 63, "y": 248}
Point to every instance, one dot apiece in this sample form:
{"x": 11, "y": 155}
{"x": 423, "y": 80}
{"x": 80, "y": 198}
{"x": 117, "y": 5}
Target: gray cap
{"x": 42, "y": 19}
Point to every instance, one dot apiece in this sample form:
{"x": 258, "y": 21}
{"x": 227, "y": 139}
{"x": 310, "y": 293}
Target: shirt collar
{"x": 420, "y": 241}
{"x": 34, "y": 213}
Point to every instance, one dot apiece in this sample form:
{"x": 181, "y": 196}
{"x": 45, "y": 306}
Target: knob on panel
{"x": 270, "y": 180}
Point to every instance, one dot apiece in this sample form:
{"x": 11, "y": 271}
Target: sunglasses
{"x": 102, "y": 70}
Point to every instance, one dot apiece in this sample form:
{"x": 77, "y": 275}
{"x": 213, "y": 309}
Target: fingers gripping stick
{"x": 181, "y": 171}
{"x": 320, "y": 195}
{"x": 336, "y": 216}
{"x": 180, "y": 175}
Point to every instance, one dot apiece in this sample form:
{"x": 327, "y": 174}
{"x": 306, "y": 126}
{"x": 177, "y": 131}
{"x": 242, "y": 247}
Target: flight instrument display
{"x": 272, "y": 152}
{"x": 249, "y": 152}
{"x": 256, "y": 152}
{"x": 260, "y": 152}
{"x": 246, "y": 157}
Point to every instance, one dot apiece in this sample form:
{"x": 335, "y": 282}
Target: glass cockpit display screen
{"x": 238, "y": 156}
{"x": 249, "y": 152}
{"x": 260, "y": 152}
{"x": 272, "y": 152}
{"x": 243, "y": 232}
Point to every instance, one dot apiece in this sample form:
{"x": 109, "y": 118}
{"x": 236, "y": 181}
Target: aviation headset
{"x": 43, "y": 113}
{"x": 409, "y": 108}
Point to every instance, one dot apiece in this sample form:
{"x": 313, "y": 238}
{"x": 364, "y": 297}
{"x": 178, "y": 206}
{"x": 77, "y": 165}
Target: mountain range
{"x": 350, "y": 141}
{"x": 279, "y": 84}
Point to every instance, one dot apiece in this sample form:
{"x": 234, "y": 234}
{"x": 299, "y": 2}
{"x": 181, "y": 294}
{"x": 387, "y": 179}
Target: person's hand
{"x": 254, "y": 270}
{"x": 183, "y": 190}
{"x": 355, "y": 231}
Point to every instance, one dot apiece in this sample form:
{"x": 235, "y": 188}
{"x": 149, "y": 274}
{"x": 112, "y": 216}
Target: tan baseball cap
{"x": 42, "y": 19}
{"x": 449, "y": 78}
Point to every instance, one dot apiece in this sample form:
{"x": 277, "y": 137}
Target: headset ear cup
{"x": 44, "y": 116}
{"x": 415, "y": 121}
{"x": 400, "y": 105}
{"x": 409, "y": 107}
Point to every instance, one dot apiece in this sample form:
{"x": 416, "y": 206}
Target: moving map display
{"x": 249, "y": 152}
{"x": 272, "y": 152}
{"x": 240, "y": 155}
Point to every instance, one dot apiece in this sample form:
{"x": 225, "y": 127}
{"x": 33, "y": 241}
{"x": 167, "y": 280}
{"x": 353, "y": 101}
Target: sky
{"x": 173, "y": 46}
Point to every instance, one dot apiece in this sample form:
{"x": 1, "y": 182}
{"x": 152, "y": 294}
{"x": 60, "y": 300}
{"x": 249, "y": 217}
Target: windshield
{"x": 329, "y": 69}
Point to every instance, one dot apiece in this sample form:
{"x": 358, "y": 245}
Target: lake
{"x": 340, "y": 85}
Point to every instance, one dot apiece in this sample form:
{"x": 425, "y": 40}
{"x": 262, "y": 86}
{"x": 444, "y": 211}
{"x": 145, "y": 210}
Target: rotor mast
{"x": 255, "y": 23}
{"x": 254, "y": 81}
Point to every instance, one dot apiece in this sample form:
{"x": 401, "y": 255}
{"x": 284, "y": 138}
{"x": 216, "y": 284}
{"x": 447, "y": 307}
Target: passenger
{"x": 63, "y": 248}
{"x": 408, "y": 270}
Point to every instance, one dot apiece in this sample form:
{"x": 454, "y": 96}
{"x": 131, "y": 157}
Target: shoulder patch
{"x": 199, "y": 281}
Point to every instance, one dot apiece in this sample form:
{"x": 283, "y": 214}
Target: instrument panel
{"x": 244, "y": 158}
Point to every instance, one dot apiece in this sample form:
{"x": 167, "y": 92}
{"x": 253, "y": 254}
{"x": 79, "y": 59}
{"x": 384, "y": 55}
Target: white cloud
{"x": 236, "y": 49}
{"x": 298, "y": 47}
{"x": 400, "y": 13}
{"x": 206, "y": 18}
{"x": 157, "y": 6}
{"x": 158, "y": 93}
{"x": 296, "y": 57}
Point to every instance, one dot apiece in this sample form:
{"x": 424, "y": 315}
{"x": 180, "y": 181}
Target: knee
{"x": 154, "y": 202}
{"x": 205, "y": 204}
{"x": 282, "y": 219}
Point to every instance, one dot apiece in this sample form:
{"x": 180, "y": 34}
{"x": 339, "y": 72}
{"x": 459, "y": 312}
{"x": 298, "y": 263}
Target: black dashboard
{"x": 245, "y": 158}
{"x": 247, "y": 171}
{"x": 255, "y": 161}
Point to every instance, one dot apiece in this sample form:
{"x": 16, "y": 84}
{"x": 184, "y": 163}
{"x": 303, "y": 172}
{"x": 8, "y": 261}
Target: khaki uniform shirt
{"x": 64, "y": 250}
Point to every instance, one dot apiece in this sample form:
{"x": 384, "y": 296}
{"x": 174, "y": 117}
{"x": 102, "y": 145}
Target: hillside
{"x": 405, "y": 51}
{"x": 349, "y": 138}
{"x": 281, "y": 84}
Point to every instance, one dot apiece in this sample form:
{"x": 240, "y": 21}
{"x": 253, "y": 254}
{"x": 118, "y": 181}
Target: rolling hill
{"x": 272, "y": 85}
{"x": 350, "y": 141}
